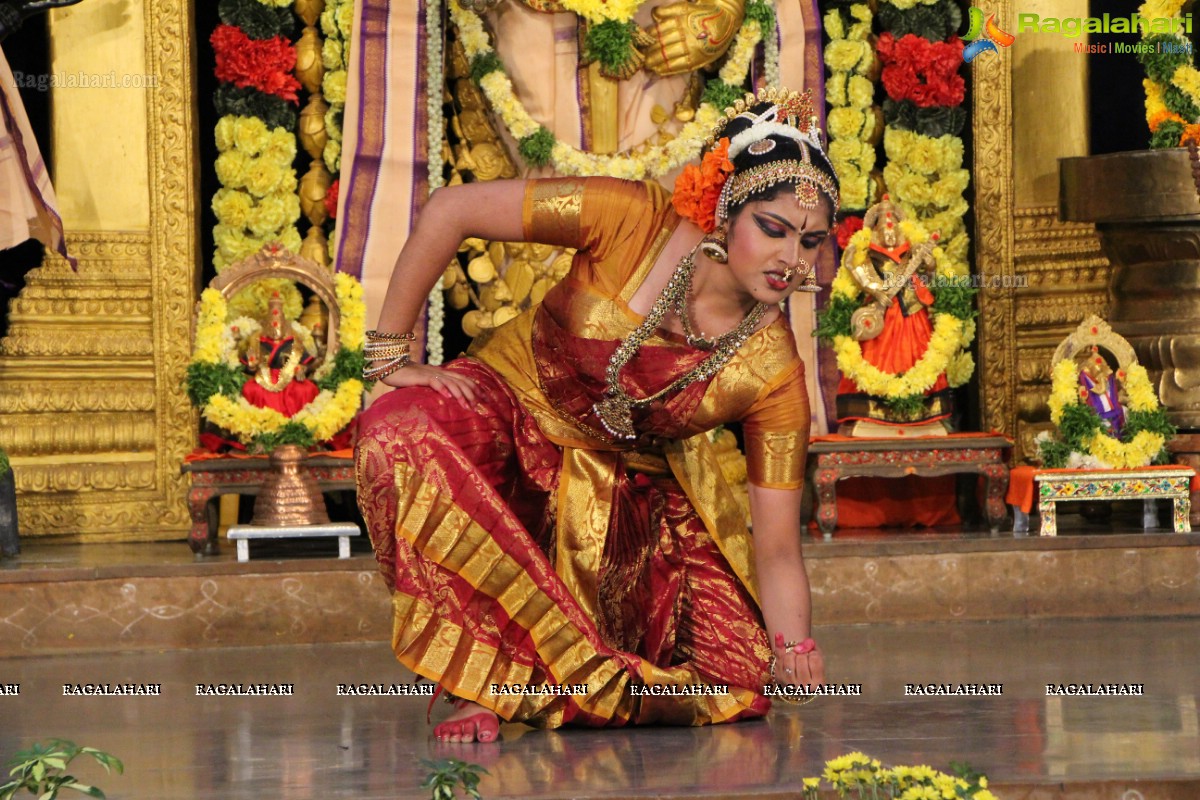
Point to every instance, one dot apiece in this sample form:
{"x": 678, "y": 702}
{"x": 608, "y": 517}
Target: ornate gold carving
{"x": 109, "y": 344}
{"x": 40, "y": 433}
{"x": 992, "y": 114}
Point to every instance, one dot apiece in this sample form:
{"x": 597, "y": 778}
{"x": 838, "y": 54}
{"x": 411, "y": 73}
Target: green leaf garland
{"x": 258, "y": 20}
{"x": 249, "y": 102}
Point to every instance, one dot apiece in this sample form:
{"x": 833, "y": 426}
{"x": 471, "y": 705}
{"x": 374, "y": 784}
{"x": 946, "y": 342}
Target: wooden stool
{"x": 1149, "y": 485}
{"x": 831, "y": 460}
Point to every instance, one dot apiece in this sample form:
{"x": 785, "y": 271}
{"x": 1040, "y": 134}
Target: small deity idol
{"x": 279, "y": 365}
{"x": 894, "y": 324}
{"x": 1101, "y": 391}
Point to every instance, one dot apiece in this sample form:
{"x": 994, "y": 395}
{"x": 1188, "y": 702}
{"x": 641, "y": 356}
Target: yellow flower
{"x": 331, "y": 54}
{"x": 252, "y": 301}
{"x": 1160, "y": 9}
{"x": 333, "y": 155}
{"x": 273, "y": 213}
{"x": 845, "y": 122}
{"x": 249, "y": 135}
{"x": 835, "y": 89}
{"x": 845, "y": 55}
{"x": 264, "y": 177}
{"x": 233, "y": 207}
{"x": 231, "y": 168}
{"x": 352, "y": 310}
{"x": 960, "y": 369}
{"x": 334, "y": 86}
{"x": 861, "y": 91}
{"x": 224, "y": 132}
{"x": 833, "y": 25}
{"x": 344, "y": 17}
{"x": 1187, "y": 79}
{"x": 280, "y": 147}
{"x": 812, "y": 783}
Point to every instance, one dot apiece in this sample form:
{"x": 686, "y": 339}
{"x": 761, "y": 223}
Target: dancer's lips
{"x": 777, "y": 280}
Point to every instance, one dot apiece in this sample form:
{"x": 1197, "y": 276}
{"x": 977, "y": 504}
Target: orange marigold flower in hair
{"x": 697, "y": 189}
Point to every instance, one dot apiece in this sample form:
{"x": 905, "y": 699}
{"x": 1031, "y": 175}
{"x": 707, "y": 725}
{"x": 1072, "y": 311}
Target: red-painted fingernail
{"x": 779, "y": 640}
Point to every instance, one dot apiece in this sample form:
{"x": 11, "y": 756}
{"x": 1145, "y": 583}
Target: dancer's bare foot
{"x": 469, "y": 722}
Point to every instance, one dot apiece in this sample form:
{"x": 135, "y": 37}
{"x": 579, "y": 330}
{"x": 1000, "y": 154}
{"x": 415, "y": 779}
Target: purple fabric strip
{"x": 362, "y": 180}
{"x": 10, "y": 122}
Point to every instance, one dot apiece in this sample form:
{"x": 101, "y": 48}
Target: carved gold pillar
{"x": 92, "y": 409}
{"x": 1041, "y": 276}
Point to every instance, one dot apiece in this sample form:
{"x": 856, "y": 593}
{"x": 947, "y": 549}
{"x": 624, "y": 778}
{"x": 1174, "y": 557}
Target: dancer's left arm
{"x": 783, "y": 582}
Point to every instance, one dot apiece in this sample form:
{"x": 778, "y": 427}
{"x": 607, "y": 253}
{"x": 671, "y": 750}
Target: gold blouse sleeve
{"x": 610, "y": 220}
{"x": 776, "y": 433}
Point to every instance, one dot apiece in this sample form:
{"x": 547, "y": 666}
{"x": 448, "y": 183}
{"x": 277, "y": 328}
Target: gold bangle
{"x": 385, "y": 352}
{"x": 380, "y": 372}
{"x": 377, "y": 336}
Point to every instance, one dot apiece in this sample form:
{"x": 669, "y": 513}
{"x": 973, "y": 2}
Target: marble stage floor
{"x": 316, "y": 744}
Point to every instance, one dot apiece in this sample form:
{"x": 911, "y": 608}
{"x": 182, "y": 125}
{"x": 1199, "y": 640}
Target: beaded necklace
{"x": 616, "y": 409}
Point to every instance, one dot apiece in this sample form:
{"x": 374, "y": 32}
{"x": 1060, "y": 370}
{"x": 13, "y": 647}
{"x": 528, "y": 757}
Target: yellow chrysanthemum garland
{"x": 866, "y": 777}
{"x": 337, "y": 20}
{"x": 656, "y": 162}
{"x": 257, "y": 202}
{"x": 850, "y": 95}
{"x": 924, "y": 176}
{"x": 947, "y": 350}
{"x": 1184, "y": 78}
{"x": 214, "y": 375}
{"x": 1084, "y": 434}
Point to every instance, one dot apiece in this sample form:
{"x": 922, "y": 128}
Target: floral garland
{"x": 867, "y": 777}
{"x": 337, "y": 20}
{"x": 539, "y": 147}
{"x": 853, "y": 125}
{"x": 1082, "y": 439}
{"x": 215, "y": 377}
{"x": 1173, "y": 82}
{"x": 924, "y": 175}
{"x": 435, "y": 134}
{"x": 953, "y": 326}
{"x": 256, "y": 141}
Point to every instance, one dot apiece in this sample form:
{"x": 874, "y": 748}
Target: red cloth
{"x": 908, "y": 502}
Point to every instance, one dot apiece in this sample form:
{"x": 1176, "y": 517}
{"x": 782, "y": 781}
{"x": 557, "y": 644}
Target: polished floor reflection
{"x": 316, "y": 744}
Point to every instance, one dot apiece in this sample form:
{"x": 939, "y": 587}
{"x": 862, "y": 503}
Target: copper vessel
{"x": 290, "y": 495}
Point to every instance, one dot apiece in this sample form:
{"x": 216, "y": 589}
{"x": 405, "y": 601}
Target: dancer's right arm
{"x": 489, "y": 210}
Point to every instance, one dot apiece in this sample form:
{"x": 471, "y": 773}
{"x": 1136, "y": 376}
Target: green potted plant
{"x": 42, "y": 770}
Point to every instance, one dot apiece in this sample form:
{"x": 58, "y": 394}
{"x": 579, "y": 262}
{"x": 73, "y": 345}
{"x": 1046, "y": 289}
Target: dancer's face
{"x": 773, "y": 243}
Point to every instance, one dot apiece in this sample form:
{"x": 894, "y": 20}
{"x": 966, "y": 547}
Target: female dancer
{"x": 559, "y": 541}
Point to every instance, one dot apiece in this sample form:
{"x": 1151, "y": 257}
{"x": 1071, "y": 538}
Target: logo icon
{"x": 993, "y": 35}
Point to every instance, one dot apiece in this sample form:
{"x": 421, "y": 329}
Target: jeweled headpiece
{"x": 764, "y": 139}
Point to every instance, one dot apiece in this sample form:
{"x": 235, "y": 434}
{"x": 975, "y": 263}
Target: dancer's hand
{"x": 802, "y": 664}
{"x": 447, "y": 383}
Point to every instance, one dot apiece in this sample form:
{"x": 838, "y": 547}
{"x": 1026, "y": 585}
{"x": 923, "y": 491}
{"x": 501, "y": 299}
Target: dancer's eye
{"x": 812, "y": 241}
{"x": 770, "y": 228}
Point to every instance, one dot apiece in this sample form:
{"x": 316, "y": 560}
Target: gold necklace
{"x": 683, "y": 308}
{"x": 616, "y": 409}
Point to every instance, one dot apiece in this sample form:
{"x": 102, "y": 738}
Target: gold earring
{"x": 809, "y": 284}
{"x": 714, "y": 245}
